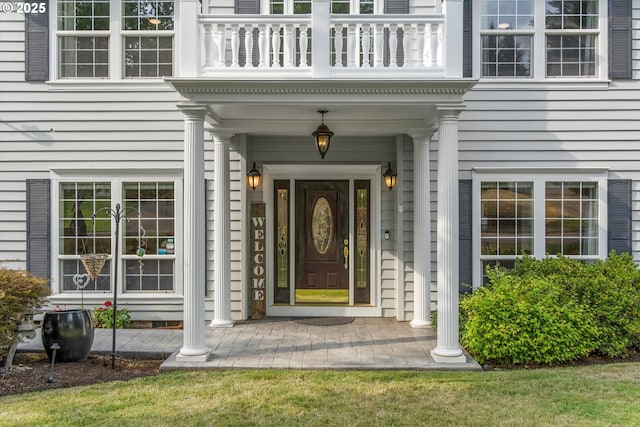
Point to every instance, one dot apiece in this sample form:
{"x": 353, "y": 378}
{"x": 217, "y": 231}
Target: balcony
{"x": 322, "y": 45}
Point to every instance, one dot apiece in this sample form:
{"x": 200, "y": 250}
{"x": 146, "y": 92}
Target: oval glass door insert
{"x": 322, "y": 225}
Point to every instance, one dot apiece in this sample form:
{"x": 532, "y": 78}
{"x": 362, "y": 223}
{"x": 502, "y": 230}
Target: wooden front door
{"x": 322, "y": 235}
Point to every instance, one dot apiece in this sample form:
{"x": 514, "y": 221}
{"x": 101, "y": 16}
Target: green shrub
{"x": 554, "y": 310}
{"x": 520, "y": 320}
{"x": 611, "y": 290}
{"x": 20, "y": 293}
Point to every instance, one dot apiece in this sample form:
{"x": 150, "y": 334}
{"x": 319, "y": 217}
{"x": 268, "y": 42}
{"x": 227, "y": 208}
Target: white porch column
{"x": 448, "y": 349}
{"x": 194, "y": 263}
{"x": 221, "y": 232}
{"x": 421, "y": 232}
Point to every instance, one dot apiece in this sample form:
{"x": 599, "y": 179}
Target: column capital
{"x": 220, "y": 135}
{"x": 421, "y": 135}
{"x": 449, "y": 111}
{"x": 193, "y": 111}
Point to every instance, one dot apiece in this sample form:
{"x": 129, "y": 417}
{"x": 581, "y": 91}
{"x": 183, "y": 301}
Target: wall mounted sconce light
{"x": 322, "y": 136}
{"x": 390, "y": 177}
{"x": 253, "y": 177}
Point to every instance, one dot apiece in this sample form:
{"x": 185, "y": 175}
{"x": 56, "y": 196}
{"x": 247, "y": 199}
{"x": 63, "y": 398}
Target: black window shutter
{"x": 619, "y": 215}
{"x": 36, "y": 29}
{"x": 393, "y": 7}
{"x": 39, "y": 227}
{"x": 620, "y": 39}
{"x": 465, "y": 235}
{"x": 248, "y": 7}
{"x": 467, "y": 33}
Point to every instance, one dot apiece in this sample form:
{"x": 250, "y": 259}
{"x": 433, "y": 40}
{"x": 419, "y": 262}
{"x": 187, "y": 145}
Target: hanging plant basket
{"x": 93, "y": 263}
{"x": 72, "y": 330}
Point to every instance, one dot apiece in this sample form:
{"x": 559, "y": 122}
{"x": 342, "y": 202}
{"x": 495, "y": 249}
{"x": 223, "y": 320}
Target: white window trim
{"x": 116, "y": 178}
{"x": 539, "y": 177}
{"x": 538, "y": 57}
{"x": 116, "y": 52}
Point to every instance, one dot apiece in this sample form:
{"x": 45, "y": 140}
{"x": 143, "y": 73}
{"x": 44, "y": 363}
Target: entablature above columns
{"x": 355, "y": 108}
{"x": 409, "y": 91}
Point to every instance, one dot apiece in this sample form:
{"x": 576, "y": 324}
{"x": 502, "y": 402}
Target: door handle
{"x": 345, "y": 252}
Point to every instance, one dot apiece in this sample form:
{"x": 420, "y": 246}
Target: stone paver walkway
{"x": 365, "y": 343}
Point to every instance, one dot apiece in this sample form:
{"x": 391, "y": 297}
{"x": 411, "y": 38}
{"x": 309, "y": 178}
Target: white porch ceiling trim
{"x": 356, "y": 108}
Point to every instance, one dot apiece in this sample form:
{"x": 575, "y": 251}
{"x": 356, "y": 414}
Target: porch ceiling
{"x": 355, "y": 108}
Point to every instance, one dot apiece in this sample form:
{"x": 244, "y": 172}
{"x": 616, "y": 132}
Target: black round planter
{"x": 72, "y": 330}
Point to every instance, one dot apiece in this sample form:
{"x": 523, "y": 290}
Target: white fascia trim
{"x": 588, "y": 172}
{"x": 111, "y": 85}
{"x": 96, "y": 173}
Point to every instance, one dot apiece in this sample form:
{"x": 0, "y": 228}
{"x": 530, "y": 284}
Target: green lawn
{"x": 576, "y": 396}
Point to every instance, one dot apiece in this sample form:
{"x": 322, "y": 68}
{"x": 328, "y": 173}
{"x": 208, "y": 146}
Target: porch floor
{"x": 288, "y": 343}
{"x": 285, "y": 343}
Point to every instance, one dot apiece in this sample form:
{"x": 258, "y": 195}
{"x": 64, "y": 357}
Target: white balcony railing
{"x": 341, "y": 46}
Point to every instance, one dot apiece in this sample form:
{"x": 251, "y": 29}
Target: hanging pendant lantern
{"x": 322, "y": 136}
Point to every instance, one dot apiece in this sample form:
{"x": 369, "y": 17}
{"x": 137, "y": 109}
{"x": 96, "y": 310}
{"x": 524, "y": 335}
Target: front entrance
{"x": 322, "y": 242}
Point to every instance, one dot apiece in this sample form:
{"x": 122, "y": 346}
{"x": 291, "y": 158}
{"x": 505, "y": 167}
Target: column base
{"x": 222, "y": 323}
{"x": 421, "y": 324}
{"x": 448, "y": 356}
{"x": 193, "y": 355}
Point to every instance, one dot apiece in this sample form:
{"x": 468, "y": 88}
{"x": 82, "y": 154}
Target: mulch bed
{"x": 30, "y": 372}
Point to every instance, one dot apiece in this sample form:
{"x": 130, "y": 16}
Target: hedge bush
{"x": 554, "y": 310}
{"x": 20, "y": 293}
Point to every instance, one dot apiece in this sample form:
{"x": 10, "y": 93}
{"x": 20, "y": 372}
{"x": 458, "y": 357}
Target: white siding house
{"x": 511, "y": 127}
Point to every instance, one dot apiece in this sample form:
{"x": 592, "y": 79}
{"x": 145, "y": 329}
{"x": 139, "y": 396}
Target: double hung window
{"x": 147, "y": 249}
{"x": 141, "y": 33}
{"x": 538, "y": 216}
{"x": 540, "y": 39}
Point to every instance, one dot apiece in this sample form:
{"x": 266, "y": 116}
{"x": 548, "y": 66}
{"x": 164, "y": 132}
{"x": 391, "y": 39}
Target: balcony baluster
{"x": 393, "y": 46}
{"x": 397, "y": 46}
{"x": 337, "y": 40}
{"x": 378, "y": 50}
{"x": 304, "y": 41}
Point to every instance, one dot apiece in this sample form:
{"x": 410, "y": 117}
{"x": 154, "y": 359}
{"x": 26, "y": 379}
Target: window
{"x": 80, "y": 234}
{"x": 148, "y": 247}
{"x": 507, "y": 36}
{"x": 565, "y": 33}
{"x": 147, "y": 54}
{"x": 288, "y": 7}
{"x": 537, "y": 216}
{"x": 153, "y": 232}
{"x": 84, "y": 38}
{"x": 572, "y": 54}
{"x": 571, "y": 218}
{"x": 88, "y": 31}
